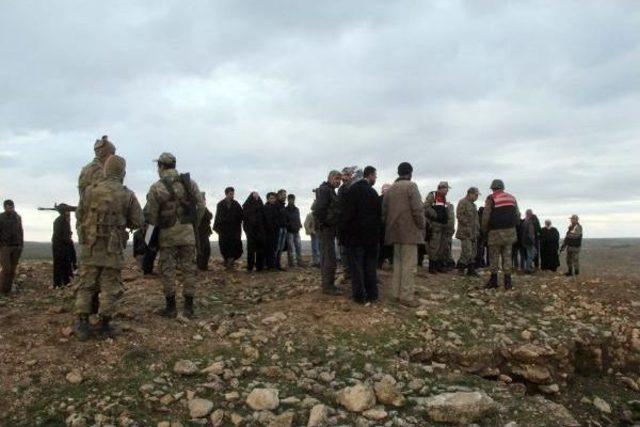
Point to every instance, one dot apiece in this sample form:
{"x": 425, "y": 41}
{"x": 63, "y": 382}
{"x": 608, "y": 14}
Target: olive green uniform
{"x": 104, "y": 213}
{"x": 436, "y": 246}
{"x": 176, "y": 238}
{"x": 574, "y": 235}
{"x": 449, "y": 231}
{"x": 468, "y": 230}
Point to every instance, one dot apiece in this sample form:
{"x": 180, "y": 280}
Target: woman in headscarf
{"x": 549, "y": 246}
{"x": 254, "y": 229}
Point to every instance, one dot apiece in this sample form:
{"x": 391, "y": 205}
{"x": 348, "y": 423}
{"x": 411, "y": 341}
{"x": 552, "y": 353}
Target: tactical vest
{"x": 573, "y": 241}
{"x": 503, "y": 211}
{"x": 178, "y": 206}
{"x": 106, "y": 219}
{"x": 440, "y": 207}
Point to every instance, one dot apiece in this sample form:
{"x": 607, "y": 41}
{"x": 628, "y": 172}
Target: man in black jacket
{"x": 64, "y": 252}
{"x": 11, "y": 243}
{"x": 271, "y": 230}
{"x": 294, "y": 224}
{"x": 360, "y": 216}
{"x": 325, "y": 212}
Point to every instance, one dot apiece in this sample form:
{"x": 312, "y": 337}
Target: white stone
{"x": 358, "y": 398}
{"x": 263, "y": 399}
{"x": 200, "y": 408}
{"x": 460, "y": 408}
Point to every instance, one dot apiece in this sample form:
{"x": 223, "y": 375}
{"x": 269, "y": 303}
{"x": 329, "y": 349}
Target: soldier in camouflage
{"x": 449, "y": 231}
{"x": 105, "y": 212}
{"x": 468, "y": 231}
{"x": 499, "y": 219}
{"x": 437, "y": 217}
{"x": 572, "y": 243}
{"x": 170, "y": 205}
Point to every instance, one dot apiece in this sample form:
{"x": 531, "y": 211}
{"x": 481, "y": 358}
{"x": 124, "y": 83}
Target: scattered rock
{"x": 375, "y": 414}
{"x": 460, "y": 408}
{"x": 602, "y": 405}
{"x": 217, "y": 418}
{"x": 358, "y": 398}
{"x": 263, "y": 399}
{"x": 283, "y": 420}
{"x": 74, "y": 377}
{"x": 318, "y": 416}
{"x": 185, "y": 367}
{"x": 562, "y": 415}
{"x": 387, "y": 393}
{"x": 200, "y": 408}
{"x": 216, "y": 368}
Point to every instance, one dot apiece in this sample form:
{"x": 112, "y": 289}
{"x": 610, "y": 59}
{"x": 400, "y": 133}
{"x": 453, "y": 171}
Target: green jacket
{"x": 468, "y": 220}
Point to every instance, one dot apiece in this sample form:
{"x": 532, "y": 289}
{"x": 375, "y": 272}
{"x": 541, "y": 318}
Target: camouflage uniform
{"x": 439, "y": 228}
{"x": 468, "y": 231}
{"x": 498, "y": 223}
{"x": 449, "y": 231}
{"x": 104, "y": 213}
{"x": 176, "y": 238}
{"x": 573, "y": 242}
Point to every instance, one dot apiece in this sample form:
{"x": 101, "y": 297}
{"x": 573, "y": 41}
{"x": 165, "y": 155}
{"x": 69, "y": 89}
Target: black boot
{"x": 493, "y": 281}
{"x": 187, "y": 311}
{"x": 105, "y": 329}
{"x": 432, "y": 267}
{"x": 568, "y": 273}
{"x": 471, "y": 271}
{"x": 95, "y": 303}
{"x": 170, "y": 307}
{"x": 82, "y": 328}
{"x": 507, "y": 282}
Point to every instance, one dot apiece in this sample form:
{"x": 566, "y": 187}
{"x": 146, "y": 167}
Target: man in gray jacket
{"x": 403, "y": 215}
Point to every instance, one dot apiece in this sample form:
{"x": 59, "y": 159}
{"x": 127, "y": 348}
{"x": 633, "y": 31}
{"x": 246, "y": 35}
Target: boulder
{"x": 358, "y": 398}
{"x": 387, "y": 393}
{"x": 263, "y": 399}
{"x": 533, "y": 373}
{"x": 200, "y": 408}
{"x": 185, "y": 367}
{"x": 460, "y": 408}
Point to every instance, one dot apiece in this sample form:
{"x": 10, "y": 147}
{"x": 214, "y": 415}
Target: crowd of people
{"x": 349, "y": 222}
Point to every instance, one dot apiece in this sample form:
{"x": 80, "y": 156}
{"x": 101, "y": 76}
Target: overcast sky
{"x": 264, "y": 95}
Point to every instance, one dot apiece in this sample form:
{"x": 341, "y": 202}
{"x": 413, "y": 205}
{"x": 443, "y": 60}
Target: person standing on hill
{"x": 549, "y": 246}
{"x": 573, "y": 243}
{"x": 64, "y": 251}
{"x": 326, "y": 216}
{"x": 468, "y": 231}
{"x": 228, "y": 225}
{"x": 11, "y": 244}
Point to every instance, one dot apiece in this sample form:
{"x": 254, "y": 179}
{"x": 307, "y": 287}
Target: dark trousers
{"x": 203, "y": 253}
{"x": 149, "y": 258}
{"x": 271, "y": 247}
{"x": 363, "y": 261}
{"x": 328, "y": 261}
{"x": 9, "y": 257}
{"x": 255, "y": 254}
{"x": 64, "y": 262}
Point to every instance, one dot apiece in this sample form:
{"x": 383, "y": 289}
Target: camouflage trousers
{"x": 438, "y": 242}
{"x": 468, "y": 250}
{"x": 106, "y": 282}
{"x": 178, "y": 261}
{"x": 500, "y": 243}
{"x": 573, "y": 259}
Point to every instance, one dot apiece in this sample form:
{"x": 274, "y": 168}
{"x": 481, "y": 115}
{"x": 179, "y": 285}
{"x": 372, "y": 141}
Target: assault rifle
{"x": 62, "y": 207}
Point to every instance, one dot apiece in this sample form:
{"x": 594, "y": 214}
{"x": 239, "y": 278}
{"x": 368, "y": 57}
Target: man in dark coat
{"x": 360, "y": 217}
{"x": 385, "y": 252}
{"x": 228, "y": 225}
{"x": 254, "y": 228}
{"x": 64, "y": 252}
{"x": 271, "y": 230}
{"x": 11, "y": 244}
{"x": 549, "y": 247}
{"x": 294, "y": 224}
{"x": 282, "y": 218}
{"x": 203, "y": 245}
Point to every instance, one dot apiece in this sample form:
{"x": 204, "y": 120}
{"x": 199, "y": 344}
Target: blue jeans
{"x": 530, "y": 255}
{"x": 295, "y": 248}
{"x": 281, "y": 243}
{"x": 315, "y": 250}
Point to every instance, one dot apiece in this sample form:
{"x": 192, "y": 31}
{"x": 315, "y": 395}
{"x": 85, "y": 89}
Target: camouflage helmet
{"x": 166, "y": 159}
{"x": 497, "y": 184}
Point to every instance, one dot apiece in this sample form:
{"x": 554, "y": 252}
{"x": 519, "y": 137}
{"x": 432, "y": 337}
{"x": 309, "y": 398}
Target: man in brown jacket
{"x": 403, "y": 215}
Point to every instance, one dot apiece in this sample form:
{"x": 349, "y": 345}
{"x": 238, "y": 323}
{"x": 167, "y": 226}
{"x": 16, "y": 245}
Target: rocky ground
{"x": 270, "y": 349}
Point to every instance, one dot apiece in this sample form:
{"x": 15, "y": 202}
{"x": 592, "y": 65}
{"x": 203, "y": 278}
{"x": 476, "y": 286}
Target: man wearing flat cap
{"x": 468, "y": 231}
{"x": 438, "y": 216}
{"x": 175, "y": 206}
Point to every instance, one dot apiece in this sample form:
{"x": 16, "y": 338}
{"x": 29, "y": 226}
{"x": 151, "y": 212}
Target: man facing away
{"x": 528, "y": 239}
{"x": 468, "y": 231}
{"x": 64, "y": 252}
{"x": 360, "y": 216}
{"x": 499, "y": 220}
{"x": 403, "y": 213}
{"x": 573, "y": 243}
{"x": 310, "y": 230}
{"x": 326, "y": 219}
{"x": 549, "y": 246}
{"x": 294, "y": 224}
{"x": 175, "y": 205}
{"x": 105, "y": 212}
{"x": 11, "y": 244}
{"x": 438, "y": 216}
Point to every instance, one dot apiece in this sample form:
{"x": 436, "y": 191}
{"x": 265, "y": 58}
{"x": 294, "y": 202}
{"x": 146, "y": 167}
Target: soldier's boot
{"x": 170, "y": 307}
{"x": 95, "y": 303}
{"x": 507, "y": 282}
{"x": 187, "y": 311}
{"x": 432, "y": 267}
{"x": 105, "y": 329}
{"x": 471, "y": 271}
{"x": 81, "y": 329}
{"x": 568, "y": 273}
{"x": 493, "y": 281}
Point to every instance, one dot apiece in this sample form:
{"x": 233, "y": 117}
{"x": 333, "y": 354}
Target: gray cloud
{"x": 263, "y": 95}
